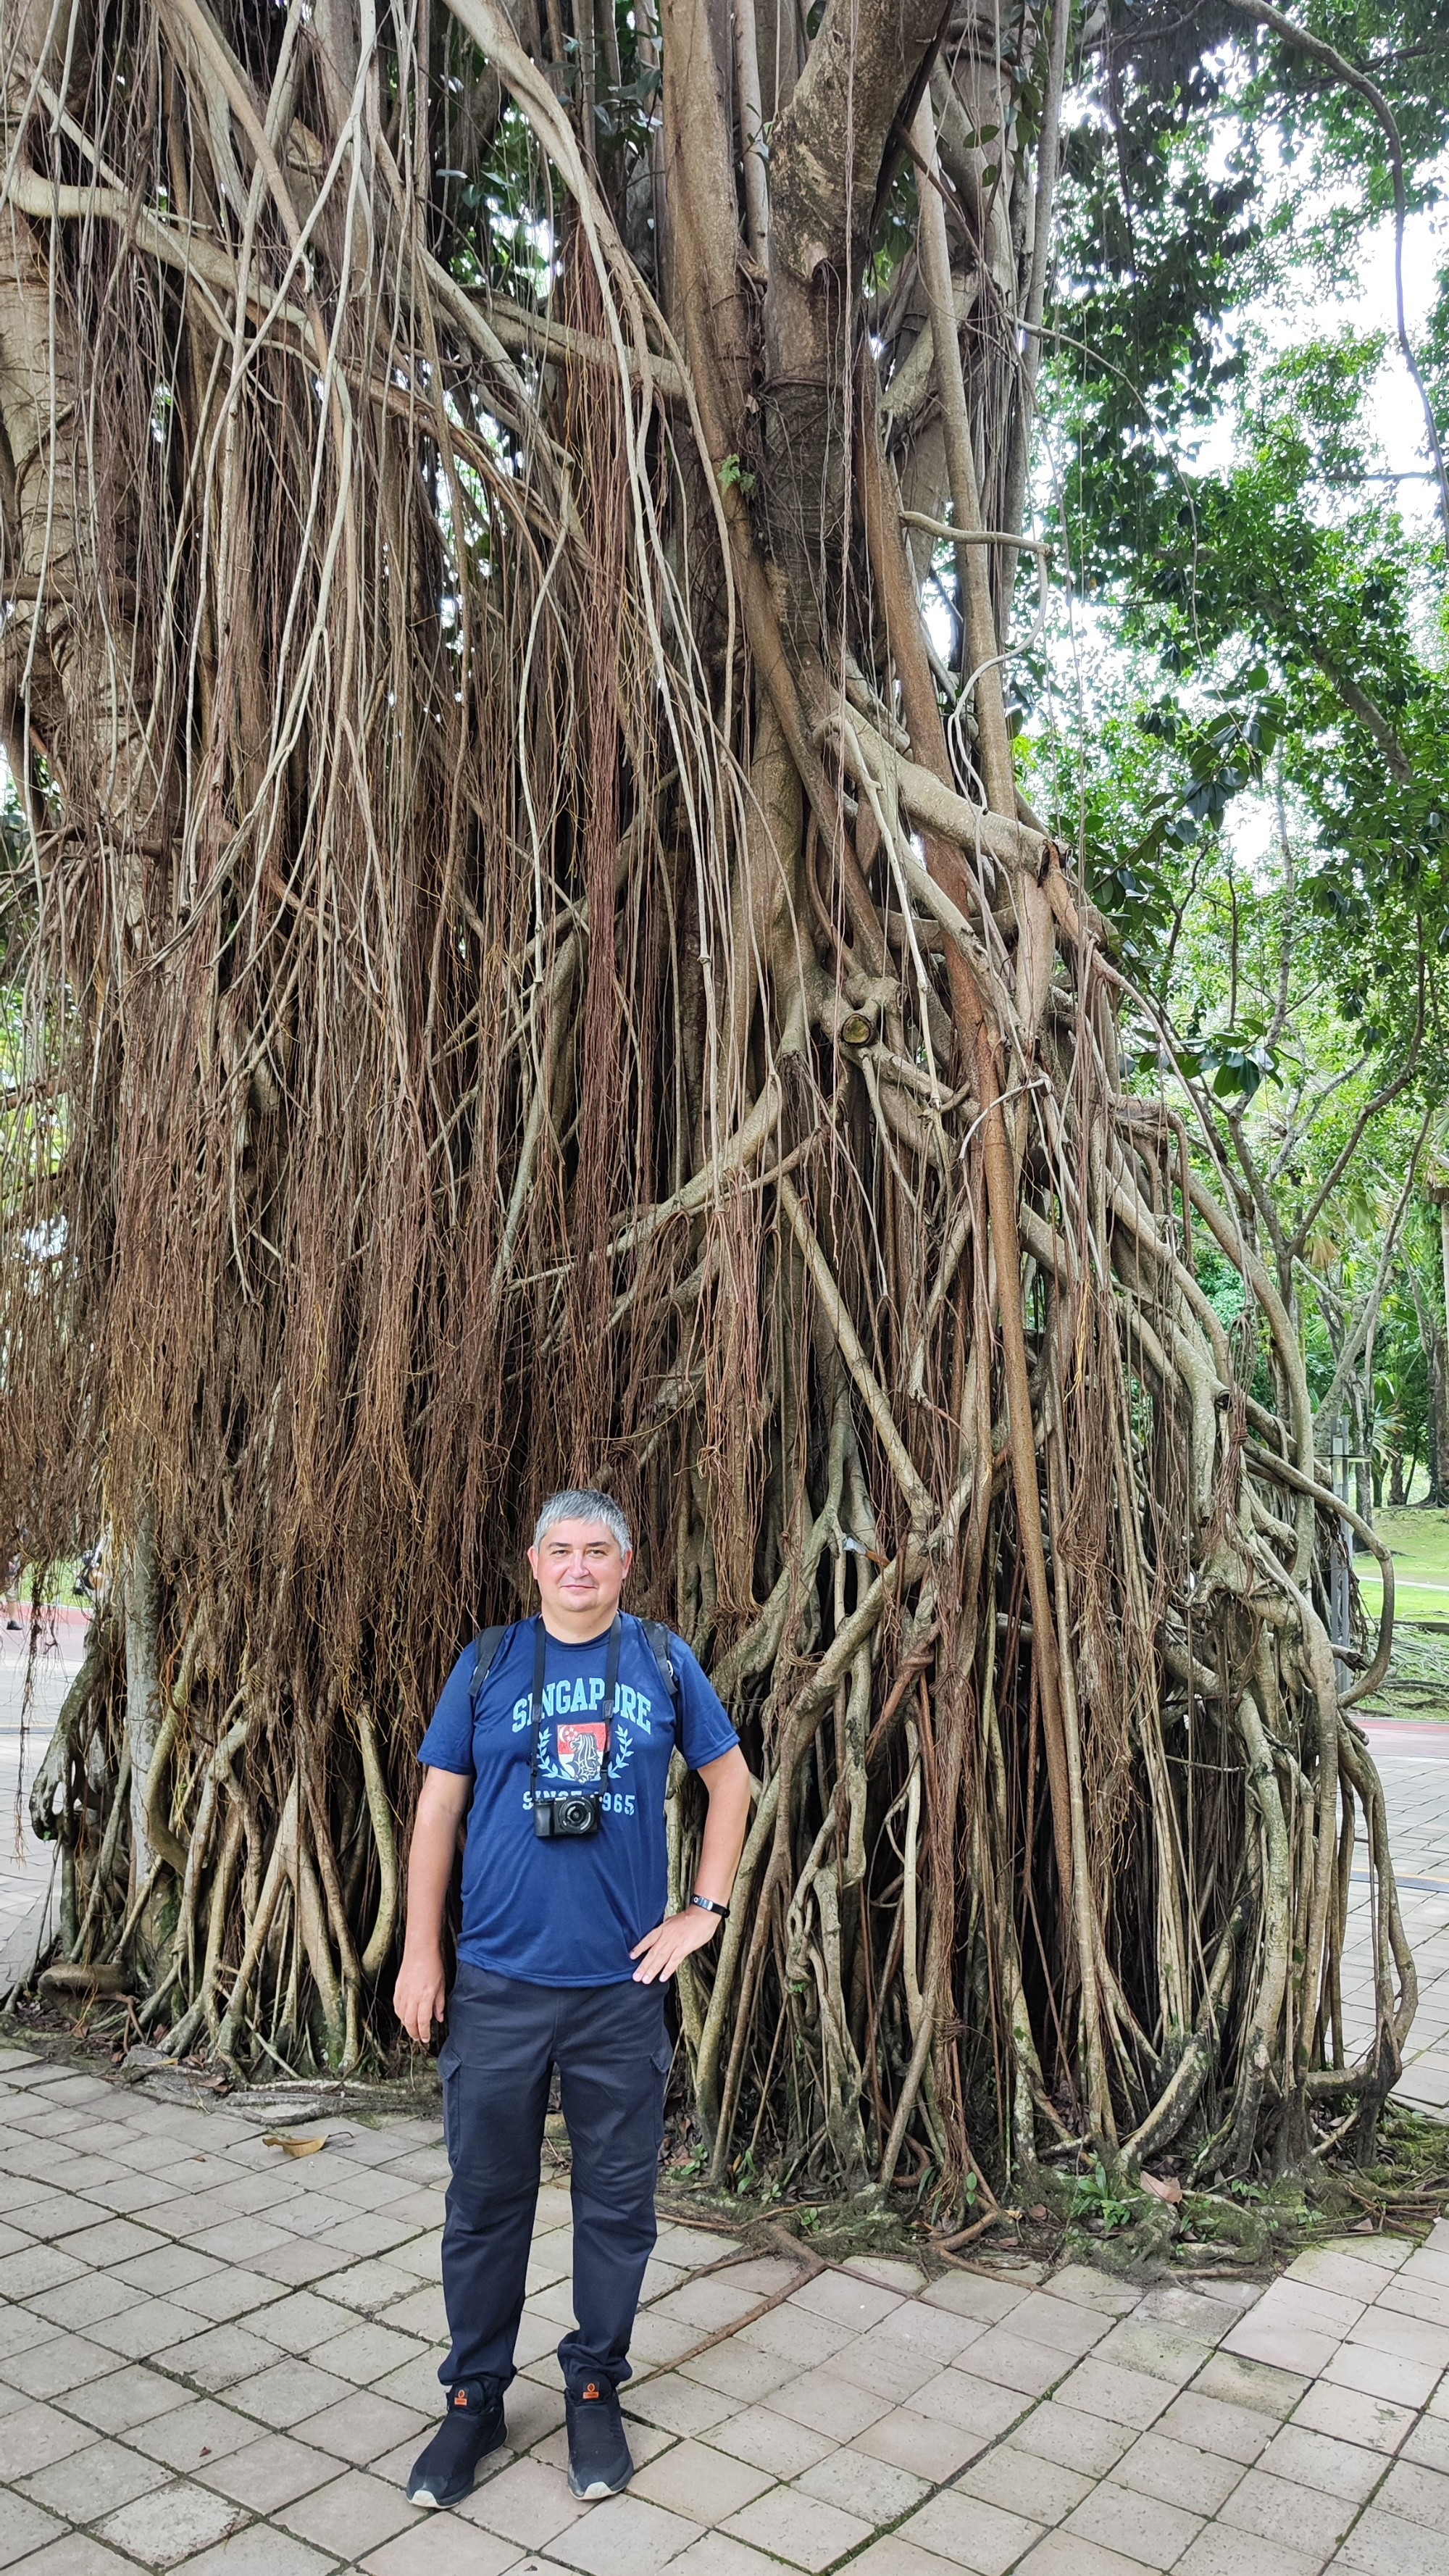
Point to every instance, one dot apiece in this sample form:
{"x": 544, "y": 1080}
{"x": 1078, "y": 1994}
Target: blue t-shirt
{"x": 568, "y": 1912}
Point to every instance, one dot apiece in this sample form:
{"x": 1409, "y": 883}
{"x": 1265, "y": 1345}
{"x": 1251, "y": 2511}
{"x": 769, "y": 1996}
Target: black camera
{"x": 573, "y": 1815}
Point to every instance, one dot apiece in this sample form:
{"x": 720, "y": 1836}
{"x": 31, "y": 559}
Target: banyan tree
{"x": 530, "y": 964}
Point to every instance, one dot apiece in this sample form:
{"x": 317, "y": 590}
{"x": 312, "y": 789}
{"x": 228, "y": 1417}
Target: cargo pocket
{"x": 449, "y": 2063}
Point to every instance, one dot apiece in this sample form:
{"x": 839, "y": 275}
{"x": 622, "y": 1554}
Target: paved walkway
{"x": 219, "y": 2359}
{"x": 1413, "y": 1761}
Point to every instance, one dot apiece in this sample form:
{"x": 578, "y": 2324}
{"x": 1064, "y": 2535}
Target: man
{"x": 557, "y": 1751}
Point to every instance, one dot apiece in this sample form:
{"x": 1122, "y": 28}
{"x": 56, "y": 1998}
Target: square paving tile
{"x": 701, "y": 2483}
{"x": 55, "y": 2365}
{"x": 1017, "y": 2361}
{"x": 772, "y": 2442}
{"x": 1312, "y": 2459}
{"x": 350, "y": 2515}
{"x": 799, "y": 2528}
{"x": 380, "y": 2285}
{"x": 1406, "y": 2338}
{"x": 970, "y": 2533}
{"x": 298, "y": 2322}
{"x": 895, "y": 2370}
{"x": 717, "y": 2554}
{"x": 1418, "y": 2495}
{"x": 1121, "y": 2396}
{"x": 116, "y": 2240}
{"x": 681, "y": 2405}
{"x": 1219, "y": 2551}
{"x": 225, "y": 2291}
{"x": 225, "y": 2355}
{"x": 921, "y": 2444}
{"x": 1176, "y": 2473}
{"x": 261, "y": 2551}
{"x": 166, "y": 2268}
{"x": 151, "y": 2326}
{"x": 77, "y": 2555}
{"x": 624, "y": 2537}
{"x": 269, "y": 2472}
{"x": 36, "y": 2267}
{"x": 363, "y": 2425}
{"x": 1087, "y": 2443}
{"x": 286, "y": 2393}
{"x": 1068, "y": 2554}
{"x": 740, "y": 2372}
{"x": 828, "y": 2403}
{"x": 977, "y": 2406}
{"x": 364, "y": 2353}
{"x": 1381, "y": 2542}
{"x": 187, "y": 2437}
{"x": 1061, "y": 2324}
{"x": 1156, "y": 2346}
{"x": 1428, "y": 2444}
{"x": 171, "y": 2523}
{"x": 919, "y": 2328}
{"x": 975, "y": 2294}
{"x": 718, "y": 2300}
{"x": 78, "y": 2303}
{"x": 35, "y": 2436}
{"x": 1347, "y": 2415}
{"x": 1024, "y": 2483}
{"x": 112, "y": 2475}
{"x": 873, "y": 2489}
{"x": 528, "y": 2502}
{"x": 436, "y": 2545}
{"x": 1138, "y": 2526}
{"x": 793, "y": 2334}
{"x": 1241, "y": 2381}
{"x": 846, "y": 2300}
{"x": 1382, "y": 2374}
{"x": 1281, "y": 2511}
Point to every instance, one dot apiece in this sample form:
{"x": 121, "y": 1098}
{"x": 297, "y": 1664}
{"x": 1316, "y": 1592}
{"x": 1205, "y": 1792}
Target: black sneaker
{"x": 599, "y": 2462}
{"x": 472, "y": 2427}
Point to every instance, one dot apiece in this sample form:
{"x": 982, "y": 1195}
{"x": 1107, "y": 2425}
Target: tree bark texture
{"x": 534, "y": 971}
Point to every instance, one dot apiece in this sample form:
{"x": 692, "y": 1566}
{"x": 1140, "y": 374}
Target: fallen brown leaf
{"x": 297, "y": 2146}
{"x": 1167, "y": 2189}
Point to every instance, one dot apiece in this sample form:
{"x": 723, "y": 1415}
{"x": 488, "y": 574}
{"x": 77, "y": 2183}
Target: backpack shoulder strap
{"x": 485, "y": 1656}
{"x": 660, "y": 1645}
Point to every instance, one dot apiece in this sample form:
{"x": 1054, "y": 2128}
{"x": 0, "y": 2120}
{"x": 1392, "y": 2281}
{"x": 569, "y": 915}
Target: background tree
{"x": 535, "y": 964}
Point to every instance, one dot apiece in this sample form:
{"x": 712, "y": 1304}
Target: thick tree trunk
{"x": 536, "y": 968}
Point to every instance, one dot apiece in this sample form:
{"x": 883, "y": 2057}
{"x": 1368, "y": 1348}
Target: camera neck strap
{"x": 611, "y": 1685}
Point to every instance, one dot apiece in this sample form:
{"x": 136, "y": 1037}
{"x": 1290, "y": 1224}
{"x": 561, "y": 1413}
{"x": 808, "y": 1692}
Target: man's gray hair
{"x": 584, "y": 1503}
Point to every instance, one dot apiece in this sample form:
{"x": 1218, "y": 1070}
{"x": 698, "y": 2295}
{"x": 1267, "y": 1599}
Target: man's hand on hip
{"x": 420, "y": 1996}
{"x": 660, "y": 1951}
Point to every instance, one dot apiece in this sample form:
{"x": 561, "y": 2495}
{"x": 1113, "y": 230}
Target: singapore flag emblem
{"x": 580, "y": 1752}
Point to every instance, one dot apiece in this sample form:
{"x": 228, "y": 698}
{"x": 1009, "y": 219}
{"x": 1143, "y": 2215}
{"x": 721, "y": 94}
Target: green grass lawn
{"x": 1419, "y": 1544}
{"x": 60, "y": 1590}
{"x": 1418, "y": 1541}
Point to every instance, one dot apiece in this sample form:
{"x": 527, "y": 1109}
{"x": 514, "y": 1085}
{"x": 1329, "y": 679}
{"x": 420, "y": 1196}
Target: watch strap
{"x": 707, "y": 1905}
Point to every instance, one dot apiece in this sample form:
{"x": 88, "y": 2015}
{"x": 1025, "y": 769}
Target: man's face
{"x": 580, "y": 1569}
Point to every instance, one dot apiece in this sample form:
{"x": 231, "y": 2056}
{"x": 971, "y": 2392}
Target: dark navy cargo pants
{"x": 612, "y": 2052}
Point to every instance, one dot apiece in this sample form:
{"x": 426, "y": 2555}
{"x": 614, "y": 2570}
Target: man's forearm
{"x": 725, "y": 1821}
{"x": 430, "y": 1867}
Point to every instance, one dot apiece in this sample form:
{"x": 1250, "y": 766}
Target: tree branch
{"x": 1319, "y": 51}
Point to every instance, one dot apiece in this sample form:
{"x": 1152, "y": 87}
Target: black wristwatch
{"x": 707, "y": 1905}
